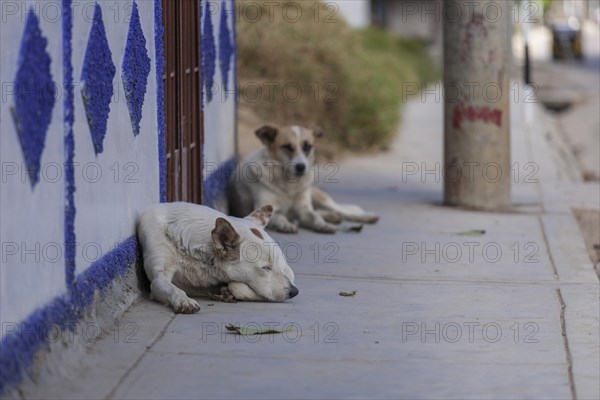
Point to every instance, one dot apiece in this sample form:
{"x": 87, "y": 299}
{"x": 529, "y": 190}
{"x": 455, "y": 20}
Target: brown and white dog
{"x": 281, "y": 174}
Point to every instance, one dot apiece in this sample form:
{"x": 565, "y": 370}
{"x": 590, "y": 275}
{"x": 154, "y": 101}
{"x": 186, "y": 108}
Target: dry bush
{"x": 321, "y": 72}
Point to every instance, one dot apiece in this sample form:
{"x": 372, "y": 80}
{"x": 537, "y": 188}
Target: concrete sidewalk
{"x": 509, "y": 314}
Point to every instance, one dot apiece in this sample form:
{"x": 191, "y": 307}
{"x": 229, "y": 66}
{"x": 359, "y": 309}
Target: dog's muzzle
{"x": 300, "y": 169}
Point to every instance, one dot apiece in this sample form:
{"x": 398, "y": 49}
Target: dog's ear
{"x": 225, "y": 238}
{"x": 266, "y": 134}
{"x": 318, "y": 132}
{"x": 262, "y": 216}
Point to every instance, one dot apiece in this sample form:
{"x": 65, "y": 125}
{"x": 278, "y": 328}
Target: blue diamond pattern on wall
{"x": 35, "y": 96}
{"x": 135, "y": 70}
{"x": 97, "y": 79}
{"x": 225, "y": 47}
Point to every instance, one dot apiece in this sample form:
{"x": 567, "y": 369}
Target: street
{"x": 571, "y": 89}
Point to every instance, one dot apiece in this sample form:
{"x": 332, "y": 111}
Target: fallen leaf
{"x": 474, "y": 232}
{"x": 242, "y": 330}
{"x": 348, "y": 294}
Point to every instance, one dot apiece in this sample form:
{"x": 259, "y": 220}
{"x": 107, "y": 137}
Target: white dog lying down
{"x": 194, "y": 250}
{"x": 281, "y": 174}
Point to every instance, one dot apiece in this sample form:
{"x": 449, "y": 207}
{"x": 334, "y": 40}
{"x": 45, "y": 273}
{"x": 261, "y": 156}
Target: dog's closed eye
{"x": 288, "y": 147}
{"x": 266, "y": 268}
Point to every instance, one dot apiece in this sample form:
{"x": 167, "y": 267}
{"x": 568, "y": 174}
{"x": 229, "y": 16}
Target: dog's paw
{"x": 370, "y": 218}
{"x": 363, "y": 218}
{"x": 243, "y": 292}
{"x": 332, "y": 217}
{"x": 185, "y": 305}
{"x": 286, "y": 227}
{"x": 325, "y": 228}
{"x": 223, "y": 294}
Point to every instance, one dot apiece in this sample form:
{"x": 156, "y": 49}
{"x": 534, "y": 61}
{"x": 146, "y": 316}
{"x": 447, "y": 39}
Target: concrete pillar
{"x": 477, "y": 57}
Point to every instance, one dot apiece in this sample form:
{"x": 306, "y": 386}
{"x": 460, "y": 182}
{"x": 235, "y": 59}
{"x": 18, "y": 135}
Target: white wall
{"x": 30, "y": 219}
{"x": 356, "y": 12}
{"x": 219, "y": 113}
{"x": 415, "y": 19}
{"x": 112, "y": 187}
{"x": 108, "y": 206}
{"x": 219, "y": 120}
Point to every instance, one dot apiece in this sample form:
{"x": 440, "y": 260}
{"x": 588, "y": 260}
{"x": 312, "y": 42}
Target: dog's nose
{"x": 293, "y": 291}
{"x": 300, "y": 168}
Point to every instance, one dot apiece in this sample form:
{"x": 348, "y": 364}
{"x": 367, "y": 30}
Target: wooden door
{"x": 184, "y": 119}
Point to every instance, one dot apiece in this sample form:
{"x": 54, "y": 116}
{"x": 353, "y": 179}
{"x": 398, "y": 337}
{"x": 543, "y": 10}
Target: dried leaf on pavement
{"x": 245, "y": 331}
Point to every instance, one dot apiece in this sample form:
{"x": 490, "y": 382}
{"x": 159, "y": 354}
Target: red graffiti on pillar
{"x": 473, "y": 29}
{"x": 472, "y": 113}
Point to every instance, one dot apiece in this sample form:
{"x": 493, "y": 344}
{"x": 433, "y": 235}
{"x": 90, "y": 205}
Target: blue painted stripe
{"x": 201, "y": 57}
{"x": 215, "y": 185}
{"x": 23, "y": 340}
{"x": 159, "y": 54}
{"x": 209, "y": 53}
{"x": 225, "y": 48}
{"x": 234, "y": 51}
{"x": 100, "y": 274}
{"x": 69, "y": 144}
{"x": 235, "y": 72}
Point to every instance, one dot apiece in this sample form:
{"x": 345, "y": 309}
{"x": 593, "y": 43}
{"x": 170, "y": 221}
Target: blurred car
{"x": 566, "y": 38}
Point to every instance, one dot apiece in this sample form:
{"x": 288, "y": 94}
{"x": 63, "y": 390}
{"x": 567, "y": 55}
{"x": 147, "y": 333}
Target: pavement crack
{"x": 563, "y": 327}
{"x": 547, "y": 243}
{"x": 159, "y": 336}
